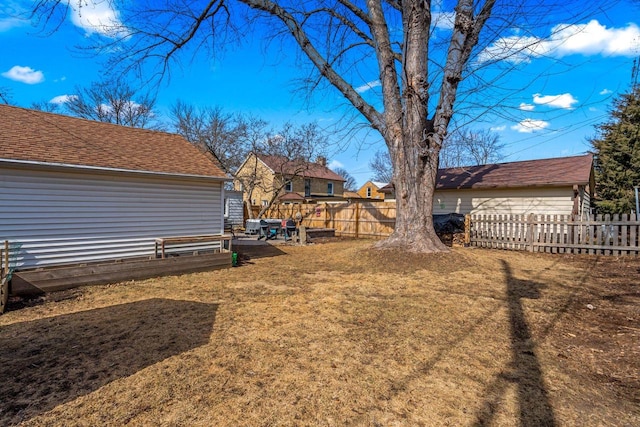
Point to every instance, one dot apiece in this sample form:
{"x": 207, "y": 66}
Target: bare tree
{"x": 412, "y": 95}
{"x": 5, "y": 96}
{"x": 467, "y": 147}
{"x": 46, "y": 106}
{"x": 381, "y": 166}
{"x": 350, "y": 181}
{"x": 114, "y": 101}
{"x": 223, "y": 135}
{"x": 289, "y": 153}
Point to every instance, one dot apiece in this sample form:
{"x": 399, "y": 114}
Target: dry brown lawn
{"x": 336, "y": 334}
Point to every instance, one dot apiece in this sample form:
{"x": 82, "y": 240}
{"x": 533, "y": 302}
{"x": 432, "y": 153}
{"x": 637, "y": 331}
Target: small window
{"x": 368, "y": 191}
{"x": 330, "y": 188}
{"x": 288, "y": 187}
{"x": 226, "y": 207}
{"x": 307, "y": 187}
{"x": 265, "y": 202}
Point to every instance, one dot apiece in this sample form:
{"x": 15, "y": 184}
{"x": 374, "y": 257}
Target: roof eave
{"x": 26, "y": 164}
{"x": 497, "y": 187}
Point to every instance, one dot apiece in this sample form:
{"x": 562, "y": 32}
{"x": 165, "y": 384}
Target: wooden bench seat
{"x": 162, "y": 243}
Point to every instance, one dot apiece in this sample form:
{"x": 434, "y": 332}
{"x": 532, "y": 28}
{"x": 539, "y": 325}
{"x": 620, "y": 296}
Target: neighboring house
{"x": 557, "y": 186}
{"x": 233, "y": 208}
{"x": 389, "y": 192}
{"x": 264, "y": 178}
{"x": 371, "y": 190}
{"x": 78, "y": 191}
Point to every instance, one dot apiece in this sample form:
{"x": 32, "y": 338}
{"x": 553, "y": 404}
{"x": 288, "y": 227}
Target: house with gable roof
{"x": 75, "y": 191}
{"x": 264, "y": 178}
{"x": 371, "y": 190}
{"x": 555, "y": 186}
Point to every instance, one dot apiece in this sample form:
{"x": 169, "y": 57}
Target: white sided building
{"x": 78, "y": 191}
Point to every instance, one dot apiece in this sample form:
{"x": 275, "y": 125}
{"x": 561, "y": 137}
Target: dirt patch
{"x": 336, "y": 333}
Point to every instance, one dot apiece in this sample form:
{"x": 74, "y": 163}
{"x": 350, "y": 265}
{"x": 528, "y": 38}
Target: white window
{"x": 265, "y": 202}
{"x": 226, "y": 207}
{"x": 288, "y": 187}
{"x": 330, "y": 188}
{"x": 368, "y": 191}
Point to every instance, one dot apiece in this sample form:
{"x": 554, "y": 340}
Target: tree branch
{"x": 466, "y": 32}
{"x": 386, "y": 65}
{"x": 299, "y": 34}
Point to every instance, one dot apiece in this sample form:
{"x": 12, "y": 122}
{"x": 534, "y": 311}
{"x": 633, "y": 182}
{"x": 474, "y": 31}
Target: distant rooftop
{"x": 281, "y": 164}
{"x": 560, "y": 171}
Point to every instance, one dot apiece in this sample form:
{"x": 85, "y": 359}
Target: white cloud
{"x": 594, "y": 38}
{"x": 498, "y": 128}
{"x": 24, "y": 74}
{"x": 526, "y": 107}
{"x": 443, "y": 20}
{"x": 96, "y": 16}
{"x": 61, "y": 99}
{"x": 530, "y": 126}
{"x": 370, "y": 85}
{"x": 566, "y": 100}
{"x": 514, "y": 49}
{"x": 605, "y": 91}
{"x": 334, "y": 164}
{"x": 591, "y": 38}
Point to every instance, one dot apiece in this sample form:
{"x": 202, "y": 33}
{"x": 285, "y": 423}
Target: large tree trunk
{"x": 413, "y": 142}
{"x": 415, "y": 181}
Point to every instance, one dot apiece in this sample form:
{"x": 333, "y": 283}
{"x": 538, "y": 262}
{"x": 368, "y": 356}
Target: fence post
{"x": 530, "y": 232}
{"x": 326, "y": 215}
{"x": 357, "y": 220}
{"x": 467, "y": 230}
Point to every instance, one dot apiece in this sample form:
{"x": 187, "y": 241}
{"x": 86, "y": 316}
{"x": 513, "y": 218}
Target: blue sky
{"x": 565, "y": 84}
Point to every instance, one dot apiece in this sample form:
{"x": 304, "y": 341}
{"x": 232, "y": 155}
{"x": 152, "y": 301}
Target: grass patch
{"x": 336, "y": 334}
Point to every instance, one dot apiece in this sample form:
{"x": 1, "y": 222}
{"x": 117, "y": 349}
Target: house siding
{"x": 257, "y": 170}
{"x": 235, "y": 207}
{"x": 375, "y": 194}
{"x": 551, "y": 201}
{"x": 270, "y": 181}
{"x": 73, "y": 217}
{"x": 585, "y": 205}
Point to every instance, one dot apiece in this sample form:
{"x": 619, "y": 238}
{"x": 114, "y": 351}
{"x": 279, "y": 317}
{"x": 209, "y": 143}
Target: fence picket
{"x": 606, "y": 235}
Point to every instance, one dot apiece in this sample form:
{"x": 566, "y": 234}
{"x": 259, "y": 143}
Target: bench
{"x": 162, "y": 243}
{"x": 230, "y": 228}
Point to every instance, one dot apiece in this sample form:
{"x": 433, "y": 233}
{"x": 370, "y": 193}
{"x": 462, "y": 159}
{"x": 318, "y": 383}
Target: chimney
{"x": 321, "y": 160}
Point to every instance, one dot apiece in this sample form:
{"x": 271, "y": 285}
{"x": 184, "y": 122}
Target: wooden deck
{"x": 58, "y": 278}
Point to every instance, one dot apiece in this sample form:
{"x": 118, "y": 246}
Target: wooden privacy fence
{"x": 602, "y": 235}
{"x": 360, "y": 219}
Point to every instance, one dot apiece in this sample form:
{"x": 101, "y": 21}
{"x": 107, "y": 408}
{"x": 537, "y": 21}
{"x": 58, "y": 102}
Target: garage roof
{"x": 53, "y": 139}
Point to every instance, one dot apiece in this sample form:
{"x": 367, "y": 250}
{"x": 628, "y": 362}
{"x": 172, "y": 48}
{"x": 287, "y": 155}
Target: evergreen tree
{"x": 617, "y": 156}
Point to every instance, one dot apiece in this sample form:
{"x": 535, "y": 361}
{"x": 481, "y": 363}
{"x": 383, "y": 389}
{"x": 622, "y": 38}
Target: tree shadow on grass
{"x": 47, "y": 362}
{"x": 525, "y": 370}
